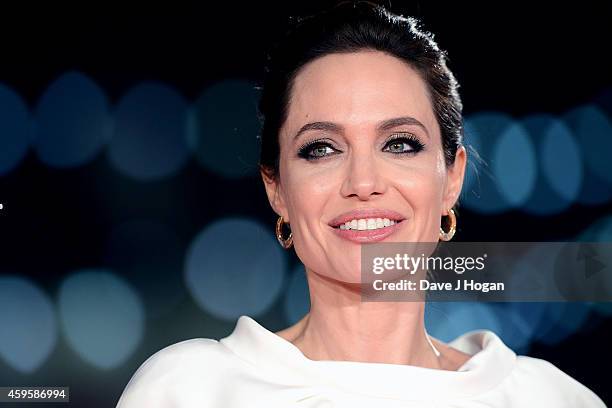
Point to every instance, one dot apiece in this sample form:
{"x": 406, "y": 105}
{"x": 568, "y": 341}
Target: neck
{"x": 340, "y": 326}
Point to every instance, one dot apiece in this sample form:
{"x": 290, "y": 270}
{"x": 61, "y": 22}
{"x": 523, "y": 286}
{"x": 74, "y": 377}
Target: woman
{"x": 361, "y": 142}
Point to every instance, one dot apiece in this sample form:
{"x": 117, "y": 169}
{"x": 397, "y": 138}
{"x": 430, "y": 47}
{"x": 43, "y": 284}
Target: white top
{"x": 254, "y": 367}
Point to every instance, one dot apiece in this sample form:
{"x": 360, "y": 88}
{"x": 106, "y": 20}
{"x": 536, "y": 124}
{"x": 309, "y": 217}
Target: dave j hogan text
{"x": 424, "y": 284}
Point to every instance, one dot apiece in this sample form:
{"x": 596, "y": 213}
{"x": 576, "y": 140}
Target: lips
{"x": 365, "y": 213}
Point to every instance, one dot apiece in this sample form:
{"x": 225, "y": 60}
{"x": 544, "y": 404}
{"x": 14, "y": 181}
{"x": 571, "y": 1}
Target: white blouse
{"x": 254, "y": 367}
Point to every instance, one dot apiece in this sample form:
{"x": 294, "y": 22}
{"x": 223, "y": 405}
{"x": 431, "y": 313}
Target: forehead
{"x": 358, "y": 89}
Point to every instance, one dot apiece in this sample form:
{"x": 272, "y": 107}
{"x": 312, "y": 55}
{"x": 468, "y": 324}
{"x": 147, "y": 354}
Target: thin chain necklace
{"x": 435, "y": 350}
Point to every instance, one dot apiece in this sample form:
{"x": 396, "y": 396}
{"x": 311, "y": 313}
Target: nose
{"x": 363, "y": 178}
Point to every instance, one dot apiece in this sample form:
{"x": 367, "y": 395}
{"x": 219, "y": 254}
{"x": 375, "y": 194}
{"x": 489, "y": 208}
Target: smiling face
{"x": 361, "y": 142}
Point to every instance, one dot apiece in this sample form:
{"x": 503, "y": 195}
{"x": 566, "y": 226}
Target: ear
{"x": 275, "y": 194}
{"x": 454, "y": 182}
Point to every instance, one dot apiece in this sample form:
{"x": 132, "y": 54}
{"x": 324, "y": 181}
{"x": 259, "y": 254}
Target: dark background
{"x": 518, "y": 58}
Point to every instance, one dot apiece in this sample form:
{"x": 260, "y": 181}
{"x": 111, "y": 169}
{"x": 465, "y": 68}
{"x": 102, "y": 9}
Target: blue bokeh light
{"x": 102, "y": 317}
{"x": 297, "y": 299}
{"x": 529, "y": 276}
{"x": 604, "y": 229}
{"x": 526, "y": 320}
{"x": 14, "y": 129}
{"x": 561, "y": 161}
{"x": 563, "y": 319}
{"x": 29, "y": 325}
{"x": 448, "y": 320}
{"x": 150, "y": 138}
{"x": 514, "y": 165}
{"x": 516, "y": 330}
{"x": 594, "y": 232}
{"x": 594, "y": 191}
{"x": 235, "y": 266}
{"x": 560, "y": 175}
{"x": 600, "y": 231}
{"x": 594, "y": 130}
{"x": 72, "y": 122}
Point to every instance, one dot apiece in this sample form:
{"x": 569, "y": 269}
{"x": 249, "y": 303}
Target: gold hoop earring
{"x": 447, "y": 236}
{"x": 285, "y": 243}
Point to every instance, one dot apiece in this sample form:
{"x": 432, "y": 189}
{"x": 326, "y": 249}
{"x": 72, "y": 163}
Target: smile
{"x": 366, "y": 224}
{"x": 372, "y": 231}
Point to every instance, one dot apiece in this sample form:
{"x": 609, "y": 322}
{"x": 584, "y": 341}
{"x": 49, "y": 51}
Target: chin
{"x": 349, "y": 273}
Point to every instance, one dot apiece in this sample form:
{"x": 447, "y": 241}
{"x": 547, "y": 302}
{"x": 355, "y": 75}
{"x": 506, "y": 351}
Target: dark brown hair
{"x": 352, "y": 26}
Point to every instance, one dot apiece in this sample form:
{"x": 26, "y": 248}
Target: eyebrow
{"x": 382, "y": 126}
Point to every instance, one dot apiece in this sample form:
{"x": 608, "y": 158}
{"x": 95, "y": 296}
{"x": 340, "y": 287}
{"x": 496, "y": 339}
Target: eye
{"x": 321, "y": 150}
{"x": 402, "y": 143}
{"x": 315, "y": 150}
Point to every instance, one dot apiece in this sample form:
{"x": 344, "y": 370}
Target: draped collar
{"x": 491, "y": 362}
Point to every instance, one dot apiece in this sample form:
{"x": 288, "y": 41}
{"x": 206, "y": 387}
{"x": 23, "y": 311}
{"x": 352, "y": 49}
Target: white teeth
{"x": 367, "y": 224}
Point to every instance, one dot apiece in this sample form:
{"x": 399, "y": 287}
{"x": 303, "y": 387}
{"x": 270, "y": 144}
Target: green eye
{"x": 316, "y": 150}
{"x": 399, "y": 147}
{"x": 320, "y": 151}
{"x": 404, "y": 144}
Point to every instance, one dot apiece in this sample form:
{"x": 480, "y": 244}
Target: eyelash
{"x": 415, "y": 144}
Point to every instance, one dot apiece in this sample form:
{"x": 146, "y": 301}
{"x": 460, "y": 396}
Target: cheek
{"x": 423, "y": 189}
{"x": 421, "y": 185}
{"x": 309, "y": 188}
{"x": 422, "y": 180}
